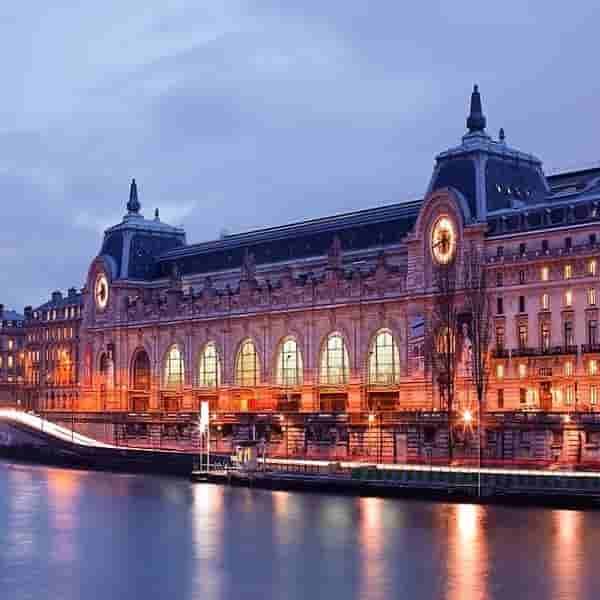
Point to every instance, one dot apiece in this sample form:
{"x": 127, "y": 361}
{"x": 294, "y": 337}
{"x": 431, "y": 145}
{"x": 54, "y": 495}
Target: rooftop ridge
{"x": 257, "y": 235}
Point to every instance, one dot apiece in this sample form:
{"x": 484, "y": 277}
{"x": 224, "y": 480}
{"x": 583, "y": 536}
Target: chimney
{"x": 1, "y": 311}
{"x": 28, "y": 312}
{"x": 56, "y": 296}
{"x": 72, "y": 292}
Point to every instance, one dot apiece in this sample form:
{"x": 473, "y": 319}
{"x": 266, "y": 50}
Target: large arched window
{"x": 141, "y": 371}
{"x": 384, "y": 359}
{"x": 247, "y": 368}
{"x": 209, "y": 369}
{"x": 334, "y": 360}
{"x": 289, "y": 363}
{"x": 174, "y": 369}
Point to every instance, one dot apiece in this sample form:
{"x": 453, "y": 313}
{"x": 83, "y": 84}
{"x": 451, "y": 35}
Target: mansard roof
{"x": 11, "y": 315}
{"x": 73, "y": 298}
{"x": 359, "y": 230}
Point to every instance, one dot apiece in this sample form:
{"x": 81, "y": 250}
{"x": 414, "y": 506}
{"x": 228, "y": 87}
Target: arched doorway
{"x": 140, "y": 381}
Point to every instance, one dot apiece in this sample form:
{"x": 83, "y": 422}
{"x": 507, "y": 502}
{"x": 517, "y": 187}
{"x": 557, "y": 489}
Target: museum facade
{"x": 329, "y": 318}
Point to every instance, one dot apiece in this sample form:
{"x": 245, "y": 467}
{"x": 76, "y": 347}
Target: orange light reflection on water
{"x": 63, "y": 489}
{"x": 371, "y": 540}
{"x": 467, "y": 553}
{"x": 567, "y": 552}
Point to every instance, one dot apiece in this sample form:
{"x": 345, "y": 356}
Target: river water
{"x": 68, "y": 534}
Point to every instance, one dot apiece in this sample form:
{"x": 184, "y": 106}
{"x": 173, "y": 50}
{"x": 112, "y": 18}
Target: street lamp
{"x": 467, "y": 417}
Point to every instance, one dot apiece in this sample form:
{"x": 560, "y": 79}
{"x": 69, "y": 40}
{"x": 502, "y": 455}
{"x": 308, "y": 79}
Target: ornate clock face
{"x": 443, "y": 240}
{"x": 101, "y": 291}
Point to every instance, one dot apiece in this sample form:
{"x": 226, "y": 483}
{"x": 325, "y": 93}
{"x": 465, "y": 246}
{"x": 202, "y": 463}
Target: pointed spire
{"x": 475, "y": 120}
{"x": 133, "y": 206}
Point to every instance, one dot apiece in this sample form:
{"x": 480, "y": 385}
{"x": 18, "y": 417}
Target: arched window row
{"x": 383, "y": 364}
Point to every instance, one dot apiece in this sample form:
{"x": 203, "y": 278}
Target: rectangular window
{"x": 568, "y": 298}
{"x": 10, "y": 361}
{"x": 568, "y": 243}
{"x": 499, "y": 279}
{"x": 499, "y": 306}
{"x": 522, "y": 335}
{"x": 568, "y": 369}
{"x": 545, "y": 273}
{"x": 521, "y": 304}
{"x": 592, "y": 367}
{"x": 545, "y": 246}
{"x": 592, "y": 296}
{"x": 592, "y": 238}
{"x": 500, "y": 397}
{"x": 500, "y": 251}
{"x": 545, "y": 302}
{"x": 569, "y": 337}
{"x": 593, "y": 395}
{"x": 569, "y": 395}
{"x": 568, "y": 271}
{"x": 499, "y": 371}
{"x": 500, "y": 337}
{"x": 522, "y": 396}
{"x": 545, "y": 335}
{"x": 521, "y": 276}
{"x": 592, "y": 332}
{"x": 522, "y": 370}
{"x": 592, "y": 267}
{"x": 522, "y": 249}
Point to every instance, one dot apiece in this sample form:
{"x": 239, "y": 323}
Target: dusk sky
{"x": 241, "y": 115}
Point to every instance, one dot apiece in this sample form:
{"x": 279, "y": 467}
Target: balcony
{"x": 550, "y": 351}
{"x": 590, "y": 348}
{"x": 499, "y": 352}
{"x": 525, "y": 351}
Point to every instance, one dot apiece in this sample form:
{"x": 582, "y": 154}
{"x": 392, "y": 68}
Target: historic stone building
{"x": 11, "y": 351}
{"x": 51, "y": 355}
{"x": 317, "y": 328}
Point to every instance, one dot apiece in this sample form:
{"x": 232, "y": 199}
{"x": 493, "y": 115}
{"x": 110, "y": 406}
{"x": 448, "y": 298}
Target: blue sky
{"x": 240, "y": 115}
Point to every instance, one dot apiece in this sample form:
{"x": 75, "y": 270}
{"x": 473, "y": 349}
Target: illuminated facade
{"x": 11, "y": 357}
{"x": 327, "y": 318}
{"x": 51, "y": 352}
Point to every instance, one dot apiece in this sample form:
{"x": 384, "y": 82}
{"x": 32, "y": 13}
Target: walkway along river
{"x": 31, "y": 438}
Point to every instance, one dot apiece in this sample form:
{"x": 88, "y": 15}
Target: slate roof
{"x": 11, "y": 315}
{"x": 356, "y": 230}
{"x": 56, "y": 302}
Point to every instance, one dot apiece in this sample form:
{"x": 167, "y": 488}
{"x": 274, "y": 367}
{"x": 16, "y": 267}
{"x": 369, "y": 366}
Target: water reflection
{"x": 467, "y": 557}
{"x": 207, "y": 527}
{"x": 63, "y": 487}
{"x": 372, "y": 538}
{"x": 70, "y": 535}
{"x": 568, "y": 558}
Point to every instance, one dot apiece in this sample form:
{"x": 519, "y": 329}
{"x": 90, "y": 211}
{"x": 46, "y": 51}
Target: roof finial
{"x": 502, "y": 135}
{"x": 475, "y": 120}
{"x": 133, "y": 206}
{"x": 156, "y": 215}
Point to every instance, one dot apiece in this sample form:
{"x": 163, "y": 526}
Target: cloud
{"x": 241, "y": 115}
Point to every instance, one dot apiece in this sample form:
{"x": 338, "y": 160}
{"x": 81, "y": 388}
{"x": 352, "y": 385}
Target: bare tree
{"x": 477, "y": 304}
{"x": 441, "y": 340}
